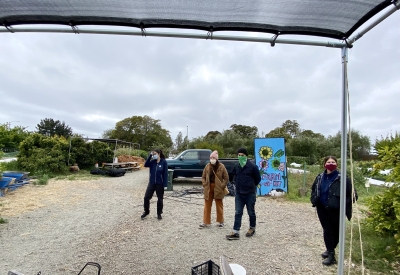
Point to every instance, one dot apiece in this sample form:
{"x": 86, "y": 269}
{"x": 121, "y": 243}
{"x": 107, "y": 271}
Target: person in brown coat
{"x": 214, "y": 179}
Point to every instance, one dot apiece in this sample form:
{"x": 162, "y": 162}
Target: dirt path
{"x": 57, "y": 228}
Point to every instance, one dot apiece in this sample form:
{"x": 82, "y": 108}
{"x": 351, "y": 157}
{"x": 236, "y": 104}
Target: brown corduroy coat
{"x": 220, "y": 184}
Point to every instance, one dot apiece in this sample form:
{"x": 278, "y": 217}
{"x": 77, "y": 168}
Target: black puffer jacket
{"x": 334, "y": 194}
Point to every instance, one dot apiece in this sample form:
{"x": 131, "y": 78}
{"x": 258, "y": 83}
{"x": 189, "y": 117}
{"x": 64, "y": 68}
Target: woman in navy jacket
{"x": 158, "y": 179}
{"x": 325, "y": 196}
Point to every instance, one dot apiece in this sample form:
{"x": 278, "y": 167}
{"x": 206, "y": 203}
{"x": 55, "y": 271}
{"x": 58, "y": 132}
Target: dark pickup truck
{"x": 190, "y": 163}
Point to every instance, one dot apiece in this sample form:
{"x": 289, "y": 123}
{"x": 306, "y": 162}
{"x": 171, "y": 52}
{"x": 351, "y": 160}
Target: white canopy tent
{"x": 337, "y": 19}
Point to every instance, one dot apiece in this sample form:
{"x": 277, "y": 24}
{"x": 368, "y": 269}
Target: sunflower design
{"x": 265, "y": 152}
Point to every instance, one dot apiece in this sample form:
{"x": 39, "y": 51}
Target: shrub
{"x": 43, "y": 179}
{"x": 86, "y": 154}
{"x": 385, "y": 212}
{"x": 43, "y": 155}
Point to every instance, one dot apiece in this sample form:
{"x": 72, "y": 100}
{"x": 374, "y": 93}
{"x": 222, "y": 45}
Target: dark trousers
{"x": 240, "y": 201}
{"x": 159, "y": 188}
{"x": 329, "y": 219}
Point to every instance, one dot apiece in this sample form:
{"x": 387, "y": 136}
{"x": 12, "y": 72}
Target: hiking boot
{"x": 330, "y": 259}
{"x": 250, "y": 232}
{"x": 144, "y": 215}
{"x": 159, "y": 216}
{"x": 220, "y": 225}
{"x": 325, "y": 254}
{"x": 233, "y": 236}
{"x": 203, "y": 225}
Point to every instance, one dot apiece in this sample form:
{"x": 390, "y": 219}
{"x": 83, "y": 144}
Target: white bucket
{"x": 237, "y": 269}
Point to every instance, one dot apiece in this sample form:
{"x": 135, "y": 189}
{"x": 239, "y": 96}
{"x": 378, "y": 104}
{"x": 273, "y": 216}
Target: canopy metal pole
{"x": 354, "y": 38}
{"x": 205, "y": 36}
{"x": 343, "y": 157}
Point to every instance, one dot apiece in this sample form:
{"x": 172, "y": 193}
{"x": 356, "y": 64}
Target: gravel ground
{"x": 99, "y": 221}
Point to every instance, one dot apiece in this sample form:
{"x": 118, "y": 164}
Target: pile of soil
{"x": 128, "y": 158}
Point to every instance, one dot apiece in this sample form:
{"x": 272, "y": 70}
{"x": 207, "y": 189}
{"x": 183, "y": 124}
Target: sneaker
{"x": 233, "y": 236}
{"x": 144, "y": 215}
{"x": 220, "y": 225}
{"x": 250, "y": 232}
{"x": 203, "y": 225}
{"x": 159, "y": 217}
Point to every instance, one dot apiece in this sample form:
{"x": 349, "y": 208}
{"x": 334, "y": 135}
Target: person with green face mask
{"x": 246, "y": 177}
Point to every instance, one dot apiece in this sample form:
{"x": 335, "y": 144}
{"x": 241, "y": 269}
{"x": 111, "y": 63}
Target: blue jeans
{"x": 240, "y": 201}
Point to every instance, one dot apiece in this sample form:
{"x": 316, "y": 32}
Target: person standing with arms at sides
{"x": 158, "y": 179}
{"x": 214, "y": 180}
{"x": 246, "y": 178}
{"x": 325, "y": 196}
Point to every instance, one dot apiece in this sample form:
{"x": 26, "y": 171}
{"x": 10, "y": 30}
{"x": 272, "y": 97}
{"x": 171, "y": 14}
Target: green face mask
{"x": 242, "y": 160}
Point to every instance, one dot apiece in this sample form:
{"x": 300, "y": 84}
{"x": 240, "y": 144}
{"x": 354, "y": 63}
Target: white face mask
{"x": 155, "y": 156}
{"x": 213, "y": 161}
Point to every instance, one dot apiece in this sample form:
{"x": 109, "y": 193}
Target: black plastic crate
{"x": 207, "y": 268}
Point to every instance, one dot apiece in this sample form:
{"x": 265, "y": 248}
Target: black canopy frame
{"x": 337, "y": 19}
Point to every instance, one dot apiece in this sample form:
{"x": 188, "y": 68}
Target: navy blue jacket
{"x": 247, "y": 178}
{"x": 158, "y": 171}
{"x": 333, "y": 200}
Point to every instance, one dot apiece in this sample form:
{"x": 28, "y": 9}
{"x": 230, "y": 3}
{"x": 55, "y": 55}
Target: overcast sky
{"x": 93, "y": 81}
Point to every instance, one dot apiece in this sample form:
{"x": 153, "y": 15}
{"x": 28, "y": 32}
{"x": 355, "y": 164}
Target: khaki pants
{"x": 208, "y": 205}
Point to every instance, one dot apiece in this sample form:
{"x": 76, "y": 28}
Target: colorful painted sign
{"x": 270, "y": 157}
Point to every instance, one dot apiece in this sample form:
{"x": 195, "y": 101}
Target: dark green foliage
{"x": 244, "y": 131}
{"x": 40, "y": 154}
{"x": 10, "y": 138}
{"x": 10, "y": 166}
{"x": 212, "y": 134}
{"x": 384, "y": 214}
{"x": 86, "y": 154}
{"x": 51, "y": 127}
{"x": 142, "y": 130}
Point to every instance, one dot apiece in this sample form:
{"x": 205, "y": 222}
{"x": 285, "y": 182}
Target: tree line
{"x": 302, "y": 145}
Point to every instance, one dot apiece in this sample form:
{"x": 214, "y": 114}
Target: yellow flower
{"x": 265, "y": 152}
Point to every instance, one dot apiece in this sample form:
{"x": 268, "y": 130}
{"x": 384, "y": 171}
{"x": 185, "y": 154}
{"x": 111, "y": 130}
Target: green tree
{"x": 245, "y": 131}
{"x": 212, "y": 134}
{"x": 304, "y": 147}
{"x": 278, "y": 132}
{"x": 51, "y": 127}
{"x": 288, "y": 130}
{"x": 107, "y": 133}
{"x": 291, "y": 127}
{"x": 178, "y": 142}
{"x": 360, "y": 144}
{"x": 12, "y": 137}
{"x": 143, "y": 130}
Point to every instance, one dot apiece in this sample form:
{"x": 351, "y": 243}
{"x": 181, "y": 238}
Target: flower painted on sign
{"x": 281, "y": 167}
{"x": 275, "y": 163}
{"x": 263, "y": 164}
{"x": 265, "y": 152}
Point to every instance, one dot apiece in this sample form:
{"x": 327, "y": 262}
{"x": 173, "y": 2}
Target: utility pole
{"x": 187, "y": 137}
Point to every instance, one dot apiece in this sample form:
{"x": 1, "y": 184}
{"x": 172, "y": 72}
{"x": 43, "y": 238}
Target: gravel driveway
{"x": 99, "y": 221}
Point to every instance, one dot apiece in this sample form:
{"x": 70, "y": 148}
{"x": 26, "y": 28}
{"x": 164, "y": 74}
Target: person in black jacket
{"x": 158, "y": 179}
{"x": 246, "y": 178}
{"x": 325, "y": 196}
